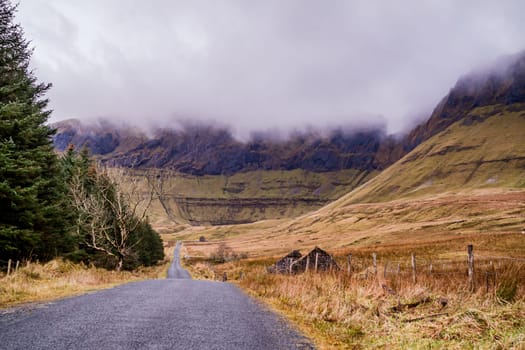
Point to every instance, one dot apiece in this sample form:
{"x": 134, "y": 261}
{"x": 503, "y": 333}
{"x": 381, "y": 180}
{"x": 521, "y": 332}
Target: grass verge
{"x": 59, "y": 278}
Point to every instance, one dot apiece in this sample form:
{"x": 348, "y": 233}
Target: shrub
{"x": 224, "y": 253}
{"x": 507, "y": 289}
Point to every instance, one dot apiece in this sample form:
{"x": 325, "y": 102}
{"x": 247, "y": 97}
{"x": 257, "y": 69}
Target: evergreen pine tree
{"x": 34, "y": 220}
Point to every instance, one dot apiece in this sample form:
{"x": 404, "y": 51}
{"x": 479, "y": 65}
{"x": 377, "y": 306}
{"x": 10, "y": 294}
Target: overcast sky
{"x": 259, "y": 65}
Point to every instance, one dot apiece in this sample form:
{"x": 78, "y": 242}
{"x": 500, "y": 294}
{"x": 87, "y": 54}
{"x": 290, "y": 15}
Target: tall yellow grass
{"x": 58, "y": 278}
{"x": 339, "y": 311}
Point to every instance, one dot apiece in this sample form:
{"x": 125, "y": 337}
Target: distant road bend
{"x": 175, "y": 313}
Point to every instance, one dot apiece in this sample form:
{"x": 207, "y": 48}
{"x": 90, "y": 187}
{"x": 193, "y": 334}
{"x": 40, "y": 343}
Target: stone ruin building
{"x": 316, "y": 260}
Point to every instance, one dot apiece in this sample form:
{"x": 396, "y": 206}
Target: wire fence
{"x": 478, "y": 271}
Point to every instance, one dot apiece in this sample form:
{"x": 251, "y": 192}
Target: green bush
{"x": 149, "y": 249}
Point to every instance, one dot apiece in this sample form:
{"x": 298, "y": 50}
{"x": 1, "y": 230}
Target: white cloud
{"x": 260, "y": 65}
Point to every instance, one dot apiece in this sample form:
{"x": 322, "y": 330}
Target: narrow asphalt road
{"x": 156, "y": 314}
{"x": 176, "y": 271}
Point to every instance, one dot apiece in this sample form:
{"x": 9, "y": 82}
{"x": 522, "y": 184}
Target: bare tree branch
{"x": 109, "y": 213}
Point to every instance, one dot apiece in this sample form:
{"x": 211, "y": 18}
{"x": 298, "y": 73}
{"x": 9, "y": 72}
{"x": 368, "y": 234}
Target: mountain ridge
{"x": 206, "y": 150}
{"x": 501, "y": 83}
{"x": 200, "y": 149}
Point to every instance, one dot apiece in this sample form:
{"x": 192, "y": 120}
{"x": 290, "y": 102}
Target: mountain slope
{"x": 465, "y": 181}
{"x": 485, "y": 149}
{"x": 462, "y": 179}
{"x": 249, "y": 196}
{"x": 502, "y": 83}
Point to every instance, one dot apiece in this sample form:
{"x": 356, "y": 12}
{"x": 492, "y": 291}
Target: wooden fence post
{"x": 316, "y": 261}
{"x": 374, "y": 262}
{"x": 8, "y": 267}
{"x": 349, "y": 264}
{"x": 430, "y": 268}
{"x": 17, "y": 265}
{"x": 307, "y": 263}
{"x": 224, "y": 276}
{"x": 290, "y": 262}
{"x": 470, "y": 249}
{"x": 414, "y": 271}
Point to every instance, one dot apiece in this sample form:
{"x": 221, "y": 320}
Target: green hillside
{"x": 486, "y": 149}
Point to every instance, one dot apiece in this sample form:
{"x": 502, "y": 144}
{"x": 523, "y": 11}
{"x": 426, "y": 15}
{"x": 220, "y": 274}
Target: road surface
{"x": 155, "y": 314}
{"x": 176, "y": 271}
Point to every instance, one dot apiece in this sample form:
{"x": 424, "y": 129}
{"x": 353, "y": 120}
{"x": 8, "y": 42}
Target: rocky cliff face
{"x": 202, "y": 150}
{"x": 501, "y": 84}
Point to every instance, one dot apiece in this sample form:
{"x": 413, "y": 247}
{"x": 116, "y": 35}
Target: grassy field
{"x": 341, "y": 311}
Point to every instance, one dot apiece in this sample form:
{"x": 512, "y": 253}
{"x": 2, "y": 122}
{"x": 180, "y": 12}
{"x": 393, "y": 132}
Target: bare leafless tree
{"x": 158, "y": 180}
{"x": 111, "y": 206}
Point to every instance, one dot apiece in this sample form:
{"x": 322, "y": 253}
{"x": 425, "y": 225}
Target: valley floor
{"x": 460, "y": 217}
{"x": 382, "y": 306}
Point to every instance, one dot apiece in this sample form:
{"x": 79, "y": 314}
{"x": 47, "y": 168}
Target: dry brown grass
{"x": 341, "y": 311}
{"x": 58, "y": 278}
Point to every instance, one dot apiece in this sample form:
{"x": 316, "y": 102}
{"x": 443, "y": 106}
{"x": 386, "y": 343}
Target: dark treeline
{"x": 48, "y": 204}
